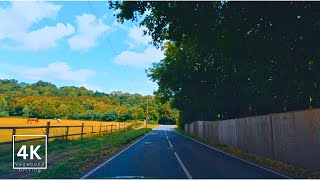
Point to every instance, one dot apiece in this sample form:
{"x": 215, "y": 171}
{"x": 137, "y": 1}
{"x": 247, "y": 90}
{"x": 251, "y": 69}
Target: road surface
{"x": 166, "y": 154}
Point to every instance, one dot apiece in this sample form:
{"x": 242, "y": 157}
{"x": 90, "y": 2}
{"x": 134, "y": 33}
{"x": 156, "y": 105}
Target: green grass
{"x": 70, "y": 159}
{"x": 5, "y": 159}
{"x": 6, "y": 155}
{"x": 281, "y": 167}
{"x": 136, "y": 124}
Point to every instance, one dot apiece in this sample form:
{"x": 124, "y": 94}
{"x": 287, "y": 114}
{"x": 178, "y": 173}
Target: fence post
{"x": 92, "y": 129}
{"x": 13, "y": 133}
{"x": 100, "y": 127}
{"x": 111, "y": 127}
{"x": 48, "y": 129}
{"x": 271, "y": 136}
{"x": 67, "y": 132}
{"x": 119, "y": 126}
{"x": 82, "y": 130}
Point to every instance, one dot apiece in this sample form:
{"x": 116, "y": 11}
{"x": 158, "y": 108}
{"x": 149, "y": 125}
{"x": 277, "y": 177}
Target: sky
{"x": 65, "y": 44}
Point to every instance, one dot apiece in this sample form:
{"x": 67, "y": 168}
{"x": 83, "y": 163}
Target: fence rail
{"x": 102, "y": 129}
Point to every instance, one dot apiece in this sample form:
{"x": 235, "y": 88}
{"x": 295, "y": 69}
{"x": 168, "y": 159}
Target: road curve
{"x": 166, "y": 154}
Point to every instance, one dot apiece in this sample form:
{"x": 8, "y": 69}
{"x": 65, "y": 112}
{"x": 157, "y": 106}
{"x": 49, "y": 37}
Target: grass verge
{"x": 281, "y": 167}
{"x": 71, "y": 159}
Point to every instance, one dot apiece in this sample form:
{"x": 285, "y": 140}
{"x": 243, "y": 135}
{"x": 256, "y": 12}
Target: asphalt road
{"x": 166, "y": 154}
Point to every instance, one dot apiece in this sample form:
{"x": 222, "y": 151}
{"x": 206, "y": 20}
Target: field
{"x": 6, "y": 135}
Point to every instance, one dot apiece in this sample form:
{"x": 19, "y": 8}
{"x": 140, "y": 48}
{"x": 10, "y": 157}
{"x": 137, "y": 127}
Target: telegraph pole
{"x": 147, "y": 116}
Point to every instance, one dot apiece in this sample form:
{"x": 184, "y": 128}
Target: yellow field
{"x": 6, "y": 135}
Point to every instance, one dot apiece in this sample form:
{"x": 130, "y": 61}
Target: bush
{"x": 152, "y": 122}
{"x": 4, "y": 113}
{"x": 111, "y": 115}
{"x": 136, "y": 124}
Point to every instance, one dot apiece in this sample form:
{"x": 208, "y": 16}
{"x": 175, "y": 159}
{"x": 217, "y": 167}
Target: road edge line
{"x": 287, "y": 177}
{"x": 110, "y": 159}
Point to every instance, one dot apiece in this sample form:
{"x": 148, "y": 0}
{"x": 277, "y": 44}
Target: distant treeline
{"x": 45, "y": 100}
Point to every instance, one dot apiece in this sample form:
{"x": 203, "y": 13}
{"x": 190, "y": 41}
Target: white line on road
{"x": 165, "y": 133}
{"x": 167, "y": 138}
{"x": 183, "y": 167}
{"x": 98, "y": 167}
{"x": 179, "y": 160}
{"x": 287, "y": 177}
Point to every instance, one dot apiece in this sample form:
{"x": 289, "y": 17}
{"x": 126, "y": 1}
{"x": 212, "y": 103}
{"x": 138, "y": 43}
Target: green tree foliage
{"x": 111, "y": 115}
{"x": 63, "y": 110}
{"x": 26, "y": 112}
{"x": 45, "y": 100}
{"x": 168, "y": 115}
{"x": 3, "y": 107}
{"x": 232, "y": 59}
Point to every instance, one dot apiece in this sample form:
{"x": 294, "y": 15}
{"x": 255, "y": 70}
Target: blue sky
{"x": 63, "y": 43}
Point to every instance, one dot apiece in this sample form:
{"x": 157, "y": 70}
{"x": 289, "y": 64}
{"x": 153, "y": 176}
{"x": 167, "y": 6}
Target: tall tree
{"x": 232, "y": 59}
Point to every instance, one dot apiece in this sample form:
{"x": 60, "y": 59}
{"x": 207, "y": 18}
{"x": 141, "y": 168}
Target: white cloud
{"x": 92, "y": 87}
{"x": 19, "y": 17}
{"x": 55, "y": 71}
{"x": 135, "y": 59}
{"x": 136, "y": 36}
{"x": 137, "y": 41}
{"x": 46, "y": 37}
{"x": 87, "y": 33}
{"x": 4, "y": 76}
{"x": 118, "y": 25}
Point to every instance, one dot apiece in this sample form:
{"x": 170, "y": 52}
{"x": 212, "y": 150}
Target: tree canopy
{"x": 232, "y": 59}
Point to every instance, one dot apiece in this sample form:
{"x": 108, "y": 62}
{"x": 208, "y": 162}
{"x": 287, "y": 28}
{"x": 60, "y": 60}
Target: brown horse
{"x": 33, "y": 119}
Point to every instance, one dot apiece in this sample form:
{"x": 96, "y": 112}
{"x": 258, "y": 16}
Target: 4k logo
{"x": 23, "y": 152}
{"x": 29, "y": 154}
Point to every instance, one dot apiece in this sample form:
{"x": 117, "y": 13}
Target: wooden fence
{"x": 291, "y": 137}
{"x": 102, "y": 129}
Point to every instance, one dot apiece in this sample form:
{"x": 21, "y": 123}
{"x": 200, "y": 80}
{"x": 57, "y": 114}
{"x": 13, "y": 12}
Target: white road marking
{"x": 170, "y": 144}
{"x": 107, "y": 161}
{"x": 287, "y": 177}
{"x": 167, "y": 138}
{"x": 179, "y": 160}
{"x": 165, "y": 133}
{"x": 182, "y": 166}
